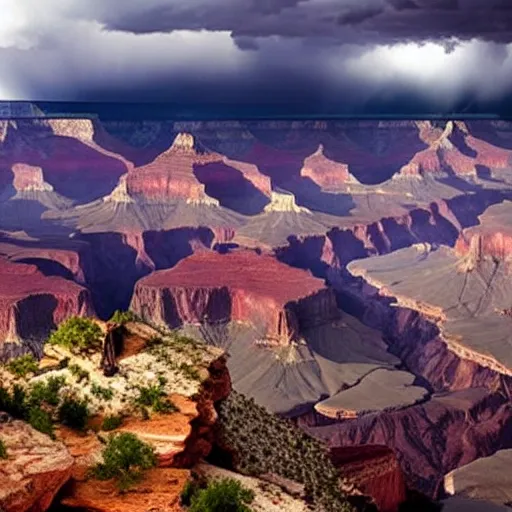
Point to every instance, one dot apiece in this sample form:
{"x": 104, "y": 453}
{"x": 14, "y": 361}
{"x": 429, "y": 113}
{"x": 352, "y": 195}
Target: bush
{"x": 227, "y": 495}
{"x": 45, "y": 392}
{"x": 101, "y": 392}
{"x": 155, "y": 397}
{"x": 73, "y": 413}
{"x": 263, "y": 443}
{"x": 111, "y": 422}
{"x": 23, "y": 365}
{"x": 41, "y": 420}
{"x": 125, "y": 458}
{"x": 123, "y": 317}
{"x": 77, "y": 334}
{"x": 78, "y": 372}
{"x": 3, "y": 450}
{"x": 190, "y": 489}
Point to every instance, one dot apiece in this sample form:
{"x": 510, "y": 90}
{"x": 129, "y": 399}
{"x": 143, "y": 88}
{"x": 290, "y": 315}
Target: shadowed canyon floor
{"x": 357, "y": 273}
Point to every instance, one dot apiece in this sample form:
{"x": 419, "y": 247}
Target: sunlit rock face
{"x": 171, "y": 175}
{"x": 35, "y": 468}
{"x": 326, "y": 173}
{"x": 455, "y": 151}
{"x": 32, "y": 304}
{"x": 29, "y": 178}
{"x": 241, "y": 286}
{"x": 281, "y": 201}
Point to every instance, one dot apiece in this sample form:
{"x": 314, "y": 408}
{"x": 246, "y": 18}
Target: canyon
{"x": 356, "y": 272}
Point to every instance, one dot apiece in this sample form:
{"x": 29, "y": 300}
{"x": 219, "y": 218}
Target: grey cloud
{"x": 378, "y": 20}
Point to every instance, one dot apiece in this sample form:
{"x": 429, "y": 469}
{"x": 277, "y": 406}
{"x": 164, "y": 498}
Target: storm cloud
{"x": 283, "y": 57}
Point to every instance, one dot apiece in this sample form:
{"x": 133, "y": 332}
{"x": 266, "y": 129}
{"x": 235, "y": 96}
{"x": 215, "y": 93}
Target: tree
{"x": 125, "y": 458}
{"x": 77, "y": 334}
{"x": 227, "y": 495}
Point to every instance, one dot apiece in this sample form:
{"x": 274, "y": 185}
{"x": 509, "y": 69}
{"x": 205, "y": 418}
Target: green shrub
{"x": 18, "y": 402}
{"x": 41, "y": 420}
{"x": 3, "y": 450}
{"x": 227, "y": 495}
{"x": 190, "y": 371}
{"x": 123, "y": 317}
{"x": 23, "y": 365}
{"x": 101, "y": 392}
{"x": 125, "y": 458}
{"x": 45, "y": 391}
{"x": 264, "y": 443}
{"x": 77, "y": 334}
{"x": 77, "y": 371}
{"x": 155, "y": 397}
{"x": 111, "y": 422}
{"x": 73, "y": 413}
{"x": 190, "y": 489}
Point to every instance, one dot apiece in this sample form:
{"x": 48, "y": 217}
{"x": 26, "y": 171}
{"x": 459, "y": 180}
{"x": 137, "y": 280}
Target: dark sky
{"x": 288, "y": 57}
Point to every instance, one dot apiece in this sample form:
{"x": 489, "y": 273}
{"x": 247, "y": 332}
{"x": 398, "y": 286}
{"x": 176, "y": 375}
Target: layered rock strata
{"x": 240, "y": 286}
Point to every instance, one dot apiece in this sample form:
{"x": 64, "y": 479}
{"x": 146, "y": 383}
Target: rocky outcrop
{"x": 240, "y": 286}
{"x": 429, "y": 439}
{"x": 65, "y": 258}
{"x": 160, "y": 490}
{"x": 171, "y": 175}
{"x": 442, "y": 155}
{"x": 491, "y": 239}
{"x": 375, "y": 471}
{"x": 326, "y": 173}
{"x": 28, "y": 178}
{"x": 29, "y": 184}
{"x": 455, "y": 151}
{"x": 34, "y": 471}
{"x": 281, "y": 201}
{"x": 192, "y": 376}
{"x": 488, "y": 479}
{"x": 31, "y": 304}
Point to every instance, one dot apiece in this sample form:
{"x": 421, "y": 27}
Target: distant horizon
{"x": 142, "y": 110}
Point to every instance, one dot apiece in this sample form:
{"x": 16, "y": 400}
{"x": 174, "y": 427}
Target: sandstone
{"x": 375, "y": 471}
{"x": 35, "y": 470}
{"x": 31, "y": 304}
{"x": 455, "y": 151}
{"x": 281, "y": 201}
{"x": 488, "y": 479}
{"x": 240, "y": 286}
{"x": 171, "y": 175}
{"x": 326, "y": 173}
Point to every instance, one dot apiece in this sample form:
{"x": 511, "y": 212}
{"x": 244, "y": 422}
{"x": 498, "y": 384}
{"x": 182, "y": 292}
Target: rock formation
{"x": 375, "y": 471}
{"x": 241, "y": 286}
{"x": 282, "y": 201}
{"x": 33, "y": 304}
{"x": 171, "y": 175}
{"x": 326, "y": 173}
{"x": 455, "y": 151}
{"x": 34, "y": 471}
{"x": 488, "y": 479}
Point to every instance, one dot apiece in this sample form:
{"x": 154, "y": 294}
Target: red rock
{"x": 454, "y": 150}
{"x": 239, "y": 286}
{"x": 171, "y": 174}
{"x": 29, "y": 178}
{"x": 56, "y": 256}
{"x": 35, "y": 470}
{"x": 31, "y": 303}
{"x": 375, "y": 471}
{"x": 491, "y": 238}
{"x": 430, "y": 439}
{"x": 73, "y": 165}
{"x": 326, "y": 173}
